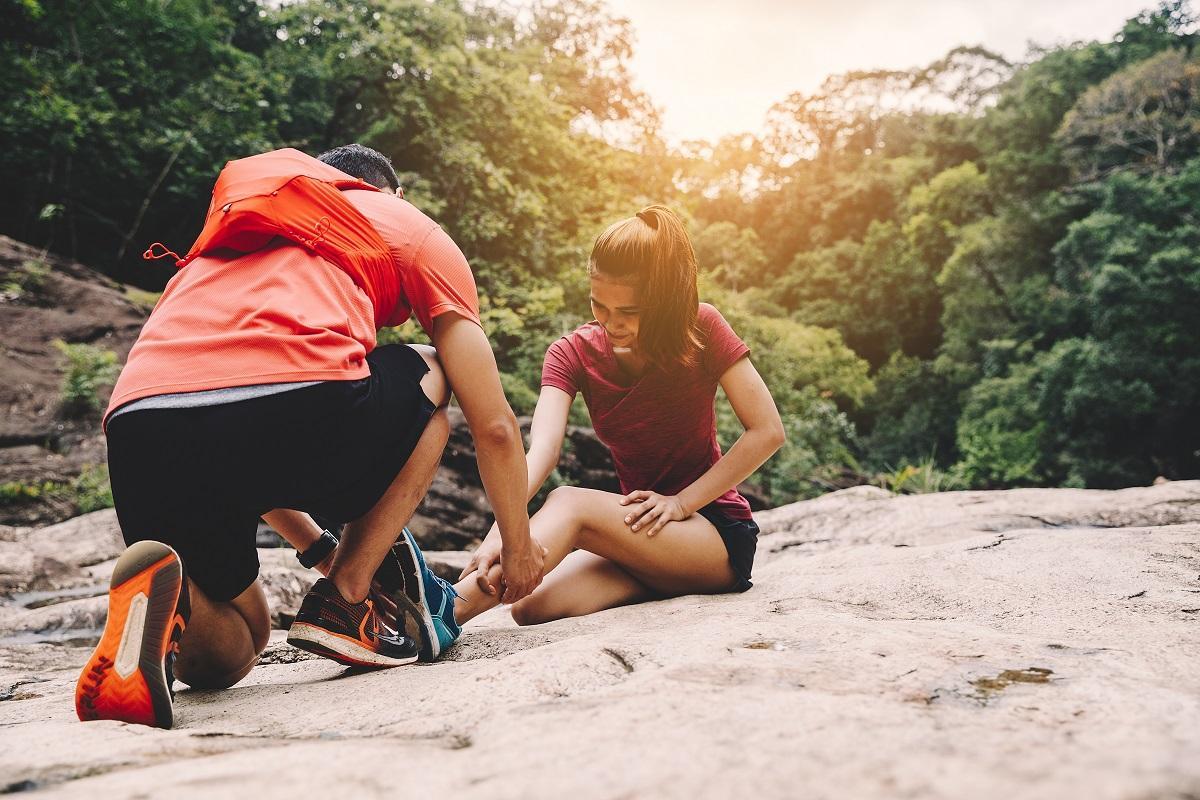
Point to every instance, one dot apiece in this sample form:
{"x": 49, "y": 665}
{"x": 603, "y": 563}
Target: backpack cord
{"x": 150, "y": 255}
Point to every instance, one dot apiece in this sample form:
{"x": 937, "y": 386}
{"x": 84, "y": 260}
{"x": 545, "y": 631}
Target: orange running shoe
{"x": 130, "y": 673}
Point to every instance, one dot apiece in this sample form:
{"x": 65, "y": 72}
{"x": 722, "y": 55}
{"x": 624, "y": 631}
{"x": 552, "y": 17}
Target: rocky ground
{"x": 1025, "y": 643}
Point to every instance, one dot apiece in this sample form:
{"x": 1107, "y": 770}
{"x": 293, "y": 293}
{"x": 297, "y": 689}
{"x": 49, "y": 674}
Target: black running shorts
{"x": 199, "y": 479}
{"x": 741, "y": 540}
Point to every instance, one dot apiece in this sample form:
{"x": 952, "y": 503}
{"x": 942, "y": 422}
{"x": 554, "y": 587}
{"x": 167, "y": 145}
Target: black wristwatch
{"x": 318, "y": 551}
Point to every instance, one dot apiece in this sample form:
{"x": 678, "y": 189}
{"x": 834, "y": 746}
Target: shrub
{"x": 13, "y": 492}
{"x": 89, "y": 368}
{"x": 921, "y": 478}
{"x": 91, "y": 491}
{"x": 29, "y": 278}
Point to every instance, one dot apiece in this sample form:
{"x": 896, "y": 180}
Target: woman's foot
{"x": 432, "y": 596}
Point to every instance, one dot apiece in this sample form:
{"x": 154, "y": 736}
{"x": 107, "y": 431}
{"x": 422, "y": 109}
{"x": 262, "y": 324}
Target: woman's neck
{"x": 630, "y": 362}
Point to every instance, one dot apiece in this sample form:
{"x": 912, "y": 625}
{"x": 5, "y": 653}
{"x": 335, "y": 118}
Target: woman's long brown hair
{"x": 652, "y": 251}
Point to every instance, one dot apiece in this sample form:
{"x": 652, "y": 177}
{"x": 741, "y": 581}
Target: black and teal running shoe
{"x": 431, "y": 597}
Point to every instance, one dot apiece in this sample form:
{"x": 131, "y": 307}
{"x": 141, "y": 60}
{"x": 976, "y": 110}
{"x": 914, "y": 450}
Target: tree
{"x": 119, "y": 115}
{"x": 731, "y": 254}
{"x": 1145, "y": 118}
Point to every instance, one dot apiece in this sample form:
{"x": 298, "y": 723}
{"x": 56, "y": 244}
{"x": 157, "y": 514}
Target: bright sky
{"x": 716, "y": 66}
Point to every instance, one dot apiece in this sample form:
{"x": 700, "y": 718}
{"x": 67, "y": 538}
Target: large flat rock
{"x": 1028, "y": 643}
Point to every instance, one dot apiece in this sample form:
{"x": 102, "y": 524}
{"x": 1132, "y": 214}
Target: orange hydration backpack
{"x": 289, "y": 194}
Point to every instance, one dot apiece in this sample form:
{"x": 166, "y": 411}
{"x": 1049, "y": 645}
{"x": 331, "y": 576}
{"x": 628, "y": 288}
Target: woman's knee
{"x": 531, "y": 611}
{"x": 568, "y": 497}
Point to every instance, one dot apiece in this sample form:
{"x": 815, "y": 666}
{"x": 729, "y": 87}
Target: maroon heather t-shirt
{"x": 661, "y": 427}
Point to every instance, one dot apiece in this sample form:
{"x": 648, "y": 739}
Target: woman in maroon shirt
{"x": 648, "y": 367}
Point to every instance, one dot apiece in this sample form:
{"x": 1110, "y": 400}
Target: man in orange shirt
{"x": 256, "y": 390}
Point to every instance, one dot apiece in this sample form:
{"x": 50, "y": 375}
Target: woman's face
{"x": 615, "y": 305}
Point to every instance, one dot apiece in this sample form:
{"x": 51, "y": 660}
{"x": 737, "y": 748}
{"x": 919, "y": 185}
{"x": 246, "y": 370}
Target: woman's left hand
{"x": 653, "y": 511}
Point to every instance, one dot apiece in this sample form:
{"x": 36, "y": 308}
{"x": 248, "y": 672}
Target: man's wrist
{"x": 515, "y": 543}
{"x": 318, "y": 551}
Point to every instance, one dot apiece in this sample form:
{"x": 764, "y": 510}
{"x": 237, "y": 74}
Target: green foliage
{"x": 921, "y": 478}
{"x": 520, "y": 396}
{"x": 88, "y": 370}
{"x": 912, "y": 414}
{"x": 1143, "y": 118}
{"x": 818, "y": 451}
{"x": 975, "y": 270}
{"x": 793, "y": 357}
{"x": 91, "y": 490}
{"x": 15, "y": 492}
{"x": 27, "y": 279}
{"x": 1000, "y": 435}
{"x": 142, "y": 298}
{"x": 732, "y": 255}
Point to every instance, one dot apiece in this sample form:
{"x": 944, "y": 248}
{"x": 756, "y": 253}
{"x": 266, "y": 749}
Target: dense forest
{"x": 973, "y": 273}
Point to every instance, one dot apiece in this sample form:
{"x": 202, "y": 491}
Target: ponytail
{"x": 652, "y": 250}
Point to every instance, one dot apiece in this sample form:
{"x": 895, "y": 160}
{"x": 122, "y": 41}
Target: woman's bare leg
{"x": 583, "y": 583}
{"x": 686, "y": 557}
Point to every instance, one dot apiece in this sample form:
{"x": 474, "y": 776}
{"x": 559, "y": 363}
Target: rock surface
{"x": 1027, "y": 643}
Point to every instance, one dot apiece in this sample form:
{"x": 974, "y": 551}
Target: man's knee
{"x": 433, "y": 383}
{"x": 438, "y": 427}
{"x": 223, "y": 641}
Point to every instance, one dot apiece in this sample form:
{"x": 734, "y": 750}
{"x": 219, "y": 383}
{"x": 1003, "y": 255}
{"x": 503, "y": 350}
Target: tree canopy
{"x": 982, "y": 266}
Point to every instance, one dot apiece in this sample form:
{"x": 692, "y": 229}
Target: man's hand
{"x": 482, "y": 561}
{"x": 521, "y": 570}
{"x": 652, "y": 511}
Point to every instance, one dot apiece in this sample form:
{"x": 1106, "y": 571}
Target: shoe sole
{"x": 429, "y": 632}
{"x": 125, "y": 678}
{"x": 339, "y": 648}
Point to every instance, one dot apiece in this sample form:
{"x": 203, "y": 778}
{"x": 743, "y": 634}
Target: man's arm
{"x": 471, "y": 370}
{"x": 545, "y": 447}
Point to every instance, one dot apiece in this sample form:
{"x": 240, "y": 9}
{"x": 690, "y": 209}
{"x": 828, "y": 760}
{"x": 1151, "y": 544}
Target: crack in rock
{"x": 996, "y": 543}
{"x": 619, "y": 658}
{"x": 798, "y": 543}
{"x": 11, "y": 692}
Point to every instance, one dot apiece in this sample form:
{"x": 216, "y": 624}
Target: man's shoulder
{"x": 388, "y": 211}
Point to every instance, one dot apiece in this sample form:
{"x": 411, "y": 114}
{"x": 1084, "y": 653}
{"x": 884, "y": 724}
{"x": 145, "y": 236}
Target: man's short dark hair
{"x": 363, "y": 163}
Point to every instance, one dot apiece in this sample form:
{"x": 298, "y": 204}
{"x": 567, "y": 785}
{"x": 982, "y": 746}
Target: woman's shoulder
{"x": 584, "y": 340}
{"x": 710, "y": 321}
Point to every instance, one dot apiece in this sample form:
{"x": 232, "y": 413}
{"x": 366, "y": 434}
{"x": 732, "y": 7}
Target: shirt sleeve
{"x": 722, "y": 347}
{"x": 439, "y": 280}
{"x": 562, "y": 368}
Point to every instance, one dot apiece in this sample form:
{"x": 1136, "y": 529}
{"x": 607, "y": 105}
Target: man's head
{"x": 363, "y": 163}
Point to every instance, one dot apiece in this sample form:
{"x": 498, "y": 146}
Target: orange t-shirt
{"x": 282, "y": 314}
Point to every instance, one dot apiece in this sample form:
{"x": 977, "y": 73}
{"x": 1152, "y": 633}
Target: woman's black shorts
{"x": 198, "y": 479}
{"x": 740, "y": 537}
